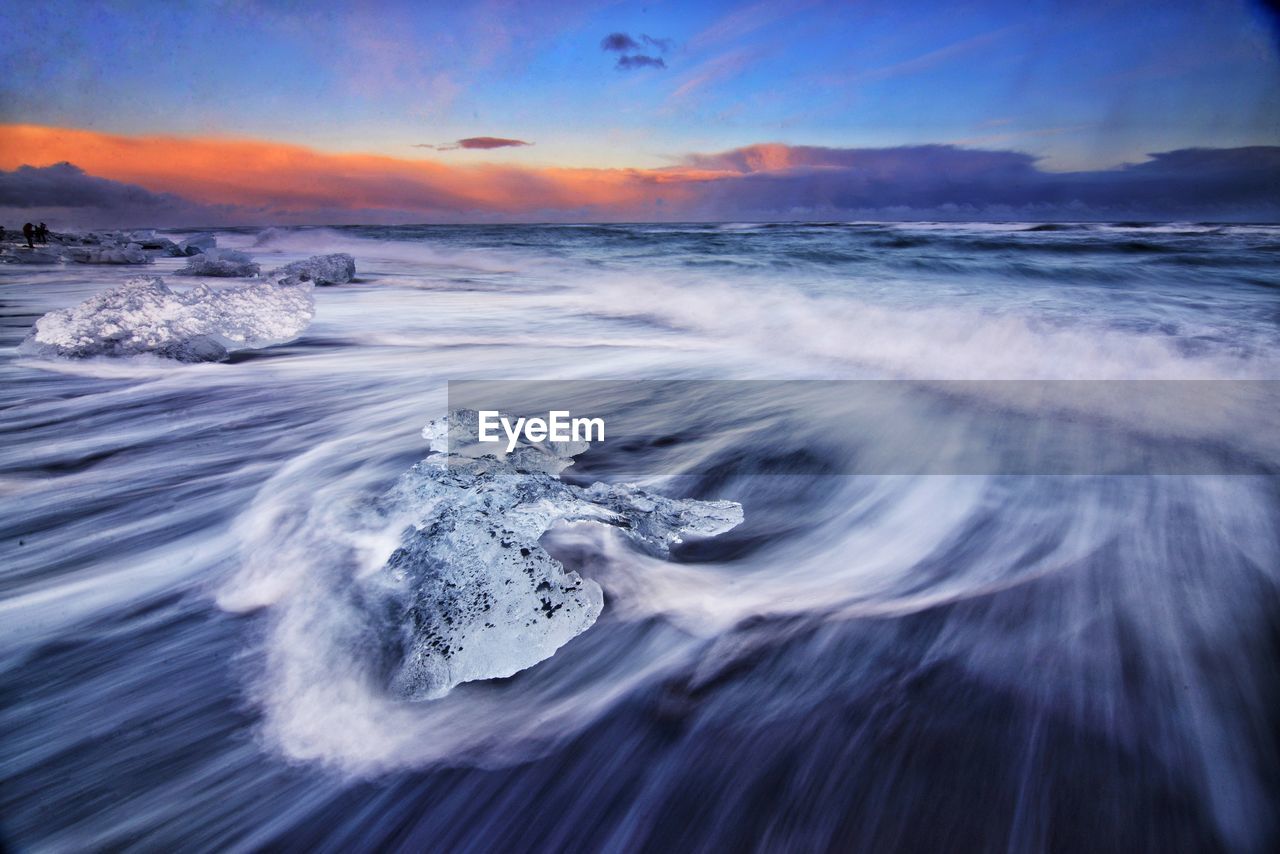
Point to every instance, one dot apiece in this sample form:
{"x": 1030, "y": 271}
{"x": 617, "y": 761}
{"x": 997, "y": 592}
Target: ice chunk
{"x": 31, "y": 256}
{"x": 129, "y": 254}
{"x": 336, "y": 269}
{"x": 113, "y": 247}
{"x": 470, "y": 591}
{"x": 150, "y": 241}
{"x": 220, "y": 262}
{"x": 145, "y": 316}
{"x": 197, "y": 243}
{"x": 98, "y": 238}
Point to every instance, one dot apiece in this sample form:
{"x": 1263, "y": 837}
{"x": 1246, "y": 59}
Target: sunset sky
{"x": 171, "y": 112}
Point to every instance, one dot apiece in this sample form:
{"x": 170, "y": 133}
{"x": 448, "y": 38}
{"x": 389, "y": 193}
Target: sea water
{"x": 866, "y": 662}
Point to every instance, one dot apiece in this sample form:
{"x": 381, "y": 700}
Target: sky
{"x": 254, "y": 112}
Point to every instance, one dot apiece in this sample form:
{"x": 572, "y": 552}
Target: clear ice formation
{"x": 472, "y": 593}
{"x": 197, "y": 243}
{"x": 31, "y": 256}
{"x": 145, "y": 316}
{"x": 130, "y": 253}
{"x": 336, "y": 269}
{"x": 224, "y": 263}
{"x": 149, "y": 240}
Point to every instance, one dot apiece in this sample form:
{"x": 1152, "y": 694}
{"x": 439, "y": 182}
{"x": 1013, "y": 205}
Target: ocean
{"x": 872, "y": 660}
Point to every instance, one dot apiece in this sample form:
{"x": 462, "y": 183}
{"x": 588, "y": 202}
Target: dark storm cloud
{"x": 942, "y": 181}
{"x": 627, "y": 63}
{"x": 65, "y": 194}
{"x": 68, "y": 186}
{"x": 483, "y": 143}
{"x": 619, "y": 42}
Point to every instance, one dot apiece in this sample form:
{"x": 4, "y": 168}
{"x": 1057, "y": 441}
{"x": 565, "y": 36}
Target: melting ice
{"x": 220, "y": 262}
{"x": 336, "y": 269}
{"x": 145, "y": 316}
{"x": 472, "y": 592}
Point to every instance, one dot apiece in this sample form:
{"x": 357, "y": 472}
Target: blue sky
{"x": 243, "y": 111}
{"x": 1082, "y": 85}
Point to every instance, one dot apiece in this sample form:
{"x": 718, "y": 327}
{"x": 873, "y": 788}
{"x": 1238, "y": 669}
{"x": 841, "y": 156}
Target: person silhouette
{"x": 28, "y": 231}
{"x": 42, "y": 233}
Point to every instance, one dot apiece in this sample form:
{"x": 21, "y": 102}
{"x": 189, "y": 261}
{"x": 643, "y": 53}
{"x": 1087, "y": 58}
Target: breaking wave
{"x": 204, "y": 628}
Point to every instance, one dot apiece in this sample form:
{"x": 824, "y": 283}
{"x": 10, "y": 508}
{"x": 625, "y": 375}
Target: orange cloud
{"x": 284, "y": 177}
{"x": 154, "y": 180}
